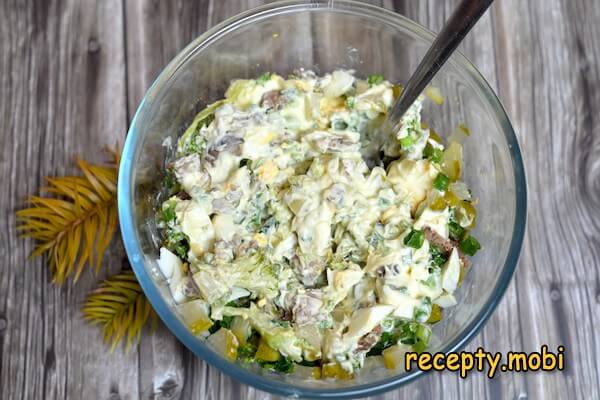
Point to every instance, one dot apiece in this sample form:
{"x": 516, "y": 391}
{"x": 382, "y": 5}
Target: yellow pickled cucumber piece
{"x": 452, "y": 161}
{"x": 225, "y": 343}
{"x": 305, "y": 372}
{"x": 334, "y": 370}
{"x": 435, "y": 94}
{"x": 200, "y": 326}
{"x": 265, "y": 352}
{"x": 436, "y": 314}
{"x": 393, "y": 356}
{"x": 466, "y": 214}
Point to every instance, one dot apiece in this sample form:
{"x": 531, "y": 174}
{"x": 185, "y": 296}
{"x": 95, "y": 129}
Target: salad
{"x": 282, "y": 247}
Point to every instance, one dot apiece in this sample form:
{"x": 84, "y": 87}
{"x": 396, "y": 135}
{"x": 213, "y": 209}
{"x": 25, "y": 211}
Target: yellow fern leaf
{"x": 120, "y": 307}
{"x": 76, "y": 225}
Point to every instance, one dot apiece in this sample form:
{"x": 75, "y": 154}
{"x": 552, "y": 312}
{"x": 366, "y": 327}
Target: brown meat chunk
{"x": 271, "y": 99}
{"x": 445, "y": 245}
{"x": 307, "y": 307}
{"x": 229, "y": 143}
{"x": 369, "y": 340}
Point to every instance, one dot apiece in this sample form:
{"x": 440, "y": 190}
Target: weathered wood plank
{"x": 62, "y": 94}
{"x": 550, "y": 90}
{"x": 72, "y": 74}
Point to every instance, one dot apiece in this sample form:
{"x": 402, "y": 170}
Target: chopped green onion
{"x": 246, "y": 352}
{"x": 170, "y": 182}
{"x": 168, "y": 213}
{"x": 470, "y": 245}
{"x": 414, "y": 239}
{"x": 406, "y": 142}
{"x": 456, "y": 231}
{"x": 387, "y": 339}
{"x": 375, "y": 79}
{"x": 441, "y": 182}
{"x": 433, "y": 154}
{"x": 350, "y": 102}
{"x": 264, "y": 78}
{"x": 284, "y": 365}
{"x": 415, "y": 334}
{"x": 437, "y": 257}
{"x": 226, "y": 322}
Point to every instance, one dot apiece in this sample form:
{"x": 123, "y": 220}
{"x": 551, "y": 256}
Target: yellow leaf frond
{"x": 119, "y": 305}
{"x": 76, "y": 221}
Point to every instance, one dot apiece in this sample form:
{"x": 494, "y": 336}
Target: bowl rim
{"x": 137, "y": 258}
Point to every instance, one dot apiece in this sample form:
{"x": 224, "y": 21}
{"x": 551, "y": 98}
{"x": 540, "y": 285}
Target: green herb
{"x": 284, "y": 365}
{"x": 350, "y": 102}
{"x": 375, "y": 79}
{"x": 387, "y": 339}
{"x": 431, "y": 281}
{"x": 456, "y": 231}
{"x": 415, "y": 334}
{"x": 269, "y": 225}
{"x": 406, "y": 142}
{"x": 307, "y": 363}
{"x": 168, "y": 212}
{"x": 177, "y": 242}
{"x": 421, "y": 315}
{"x": 325, "y": 324}
{"x": 436, "y": 255}
{"x": 243, "y": 302}
{"x": 246, "y": 352}
{"x": 226, "y": 322}
{"x": 170, "y": 182}
{"x": 383, "y": 202}
{"x": 432, "y": 153}
{"x": 282, "y": 323}
{"x": 414, "y": 239}
{"x": 470, "y": 245}
{"x": 441, "y": 182}
{"x": 376, "y": 239}
{"x": 174, "y": 239}
{"x": 264, "y": 78}
{"x": 339, "y": 125}
{"x": 411, "y": 333}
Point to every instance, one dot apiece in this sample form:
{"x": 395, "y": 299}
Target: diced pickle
{"x": 438, "y": 204}
{"x": 466, "y": 215}
{"x": 396, "y": 90}
{"x": 461, "y": 276}
{"x": 435, "y": 137}
{"x": 334, "y": 370}
{"x": 200, "y": 326}
{"x": 451, "y": 199}
{"x": 393, "y": 356}
{"x": 452, "y": 161}
{"x": 436, "y": 314}
{"x": 266, "y": 353}
{"x": 305, "y": 372}
{"x": 195, "y": 315}
{"x": 224, "y": 342}
{"x": 434, "y": 94}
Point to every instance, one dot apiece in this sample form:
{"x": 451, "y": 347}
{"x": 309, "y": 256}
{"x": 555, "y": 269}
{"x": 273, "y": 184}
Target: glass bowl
{"x": 323, "y": 36}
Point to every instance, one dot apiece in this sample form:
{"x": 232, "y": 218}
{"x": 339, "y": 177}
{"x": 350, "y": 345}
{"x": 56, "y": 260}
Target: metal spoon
{"x": 456, "y": 28}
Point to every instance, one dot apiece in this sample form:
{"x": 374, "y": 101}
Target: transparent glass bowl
{"x": 323, "y": 36}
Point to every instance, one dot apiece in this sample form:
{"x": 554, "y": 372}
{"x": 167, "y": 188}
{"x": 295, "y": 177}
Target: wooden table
{"x": 71, "y": 76}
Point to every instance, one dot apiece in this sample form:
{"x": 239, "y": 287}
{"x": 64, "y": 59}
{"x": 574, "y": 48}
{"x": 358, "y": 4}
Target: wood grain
{"x": 72, "y": 74}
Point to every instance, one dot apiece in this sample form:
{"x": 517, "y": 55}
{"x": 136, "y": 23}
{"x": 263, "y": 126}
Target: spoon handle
{"x": 458, "y": 25}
